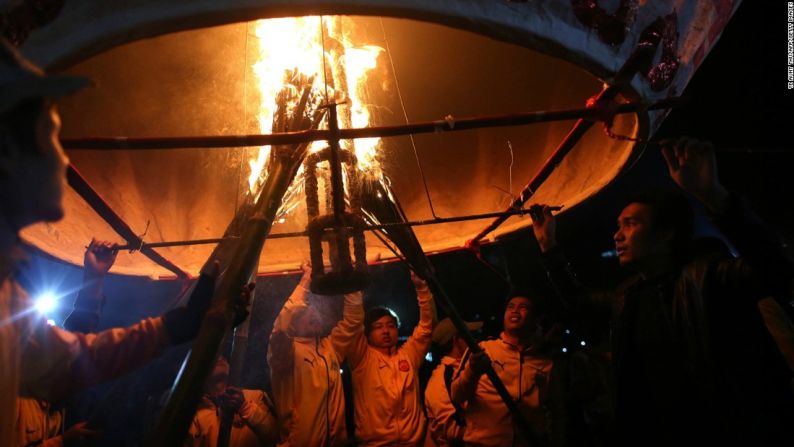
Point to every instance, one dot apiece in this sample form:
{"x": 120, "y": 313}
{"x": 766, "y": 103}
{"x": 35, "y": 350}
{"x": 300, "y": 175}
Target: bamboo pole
{"x": 372, "y": 227}
{"x": 445, "y": 125}
{"x": 282, "y": 167}
{"x": 641, "y": 56}
{"x": 236, "y": 364}
{"x": 181, "y": 407}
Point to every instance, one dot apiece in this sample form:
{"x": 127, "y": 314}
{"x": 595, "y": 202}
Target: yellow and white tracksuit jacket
{"x": 254, "y": 425}
{"x": 38, "y": 424}
{"x": 48, "y": 363}
{"x": 441, "y": 423}
{"x": 386, "y": 388}
{"x": 526, "y": 376}
{"x": 305, "y": 375}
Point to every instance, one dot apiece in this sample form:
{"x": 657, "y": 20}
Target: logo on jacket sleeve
{"x": 404, "y": 365}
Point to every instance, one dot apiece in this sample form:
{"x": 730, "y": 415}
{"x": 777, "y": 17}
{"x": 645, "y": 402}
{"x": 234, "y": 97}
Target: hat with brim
{"x": 20, "y": 80}
{"x": 445, "y": 330}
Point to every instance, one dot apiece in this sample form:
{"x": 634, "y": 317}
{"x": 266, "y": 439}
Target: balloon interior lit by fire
{"x": 231, "y": 80}
{"x": 369, "y": 139}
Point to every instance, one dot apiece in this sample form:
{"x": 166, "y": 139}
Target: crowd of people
{"x": 692, "y": 358}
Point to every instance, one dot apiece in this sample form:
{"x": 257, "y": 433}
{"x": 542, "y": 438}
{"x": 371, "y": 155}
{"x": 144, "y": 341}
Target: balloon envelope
{"x": 200, "y": 82}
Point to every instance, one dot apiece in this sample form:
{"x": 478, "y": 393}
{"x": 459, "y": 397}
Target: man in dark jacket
{"x": 692, "y": 360}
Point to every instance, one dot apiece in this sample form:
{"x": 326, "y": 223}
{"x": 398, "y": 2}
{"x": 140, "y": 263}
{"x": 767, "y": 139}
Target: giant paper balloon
{"x": 185, "y": 69}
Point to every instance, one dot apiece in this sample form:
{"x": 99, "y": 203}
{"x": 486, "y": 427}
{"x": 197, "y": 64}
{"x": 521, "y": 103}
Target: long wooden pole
{"x": 236, "y": 364}
{"x": 639, "y": 58}
{"x": 446, "y": 125}
{"x": 181, "y": 407}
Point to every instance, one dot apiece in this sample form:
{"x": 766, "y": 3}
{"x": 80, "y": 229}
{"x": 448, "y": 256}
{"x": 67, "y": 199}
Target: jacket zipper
{"x": 327, "y": 393}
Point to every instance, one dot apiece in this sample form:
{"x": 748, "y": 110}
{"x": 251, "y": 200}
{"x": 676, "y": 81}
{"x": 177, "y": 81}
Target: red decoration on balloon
{"x": 611, "y": 28}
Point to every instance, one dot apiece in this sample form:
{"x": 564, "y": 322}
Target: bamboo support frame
{"x": 639, "y": 58}
{"x": 374, "y": 227}
{"x": 176, "y": 418}
{"x": 236, "y": 363}
{"x": 282, "y": 168}
{"x": 282, "y": 138}
{"x": 98, "y": 204}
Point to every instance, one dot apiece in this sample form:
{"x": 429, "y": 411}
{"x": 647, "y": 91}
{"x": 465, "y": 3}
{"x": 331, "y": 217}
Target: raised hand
{"x": 183, "y": 323}
{"x": 419, "y": 283}
{"x": 693, "y": 167}
{"x": 243, "y": 303}
{"x": 544, "y": 226}
{"x": 480, "y": 362}
{"x": 232, "y": 399}
{"x": 306, "y": 267}
{"x": 99, "y": 257}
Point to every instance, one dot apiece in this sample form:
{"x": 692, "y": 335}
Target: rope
{"x": 325, "y": 69}
{"x": 405, "y": 115}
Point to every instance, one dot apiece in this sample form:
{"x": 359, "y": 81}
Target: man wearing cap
{"x": 445, "y": 420}
{"x": 526, "y": 374}
{"x": 38, "y": 360}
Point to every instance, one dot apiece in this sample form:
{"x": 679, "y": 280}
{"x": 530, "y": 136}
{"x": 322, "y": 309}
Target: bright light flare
{"x": 46, "y": 302}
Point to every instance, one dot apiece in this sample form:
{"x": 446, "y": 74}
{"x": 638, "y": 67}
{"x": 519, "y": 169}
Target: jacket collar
{"x": 528, "y": 350}
{"x": 449, "y": 361}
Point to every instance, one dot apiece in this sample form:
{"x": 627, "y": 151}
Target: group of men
{"x": 691, "y": 355}
{"x": 693, "y": 358}
{"x": 305, "y": 356}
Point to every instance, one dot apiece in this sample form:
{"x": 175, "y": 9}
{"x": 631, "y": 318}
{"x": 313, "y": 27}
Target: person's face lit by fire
{"x": 519, "y": 318}
{"x": 383, "y": 332}
{"x": 35, "y": 177}
{"x": 637, "y": 241}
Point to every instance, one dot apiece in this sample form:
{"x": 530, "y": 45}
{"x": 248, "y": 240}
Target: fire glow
{"x": 291, "y": 47}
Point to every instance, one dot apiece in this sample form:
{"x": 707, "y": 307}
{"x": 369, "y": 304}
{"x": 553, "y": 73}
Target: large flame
{"x": 295, "y": 45}
{"x": 358, "y": 62}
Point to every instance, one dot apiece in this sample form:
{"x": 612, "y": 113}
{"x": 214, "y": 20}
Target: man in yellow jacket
{"x": 385, "y": 378}
{"x": 445, "y": 420}
{"x": 39, "y": 424}
{"x": 525, "y": 373}
{"x": 38, "y": 360}
{"x": 254, "y": 423}
{"x": 305, "y": 361}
